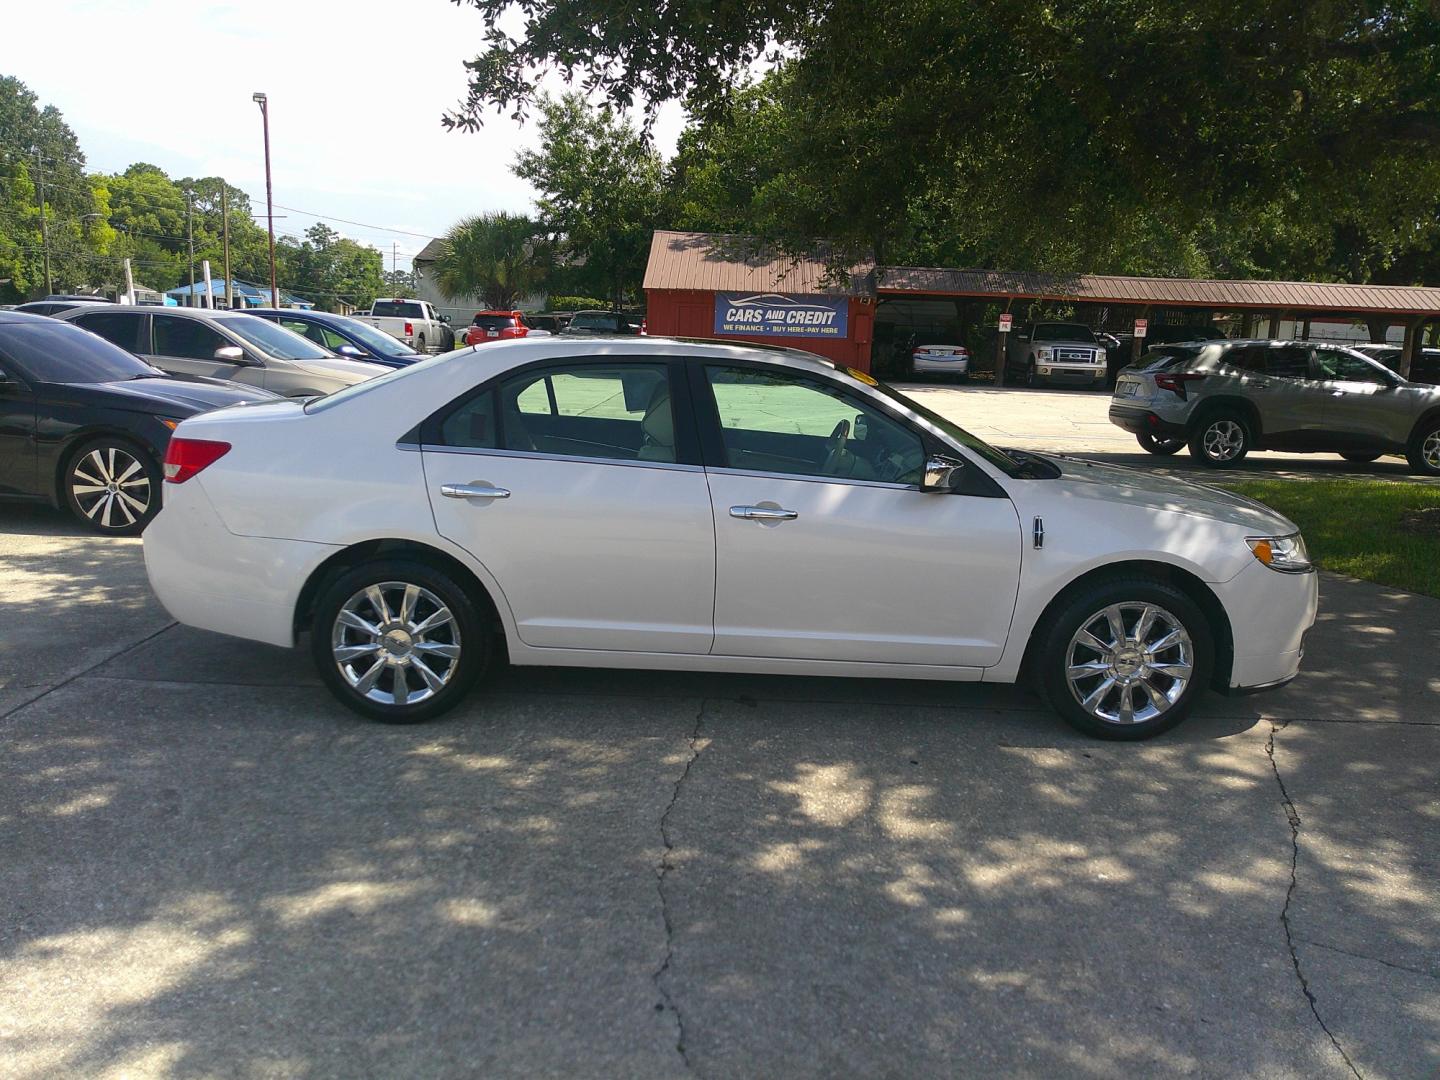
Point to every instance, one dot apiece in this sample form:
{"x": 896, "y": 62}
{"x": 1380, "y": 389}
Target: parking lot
{"x": 208, "y": 867}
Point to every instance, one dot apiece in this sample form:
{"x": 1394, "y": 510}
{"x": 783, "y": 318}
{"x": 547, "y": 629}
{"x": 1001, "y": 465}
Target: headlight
{"x": 1042, "y": 354}
{"x": 1286, "y": 554}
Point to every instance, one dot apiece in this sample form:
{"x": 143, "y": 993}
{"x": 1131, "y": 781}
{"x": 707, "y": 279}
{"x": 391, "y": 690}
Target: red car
{"x": 496, "y": 326}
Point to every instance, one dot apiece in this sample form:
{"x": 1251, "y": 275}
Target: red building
{"x": 730, "y": 287}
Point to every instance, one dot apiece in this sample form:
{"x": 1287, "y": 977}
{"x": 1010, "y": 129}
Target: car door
{"x": 825, "y": 546}
{"x": 18, "y": 460}
{"x": 185, "y": 346}
{"x": 1362, "y": 407}
{"x": 1289, "y": 397}
{"x": 568, "y": 482}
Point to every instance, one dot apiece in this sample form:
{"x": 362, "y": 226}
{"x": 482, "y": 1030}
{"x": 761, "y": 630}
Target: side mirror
{"x": 351, "y": 352}
{"x": 445, "y": 318}
{"x": 942, "y": 473}
{"x": 231, "y": 354}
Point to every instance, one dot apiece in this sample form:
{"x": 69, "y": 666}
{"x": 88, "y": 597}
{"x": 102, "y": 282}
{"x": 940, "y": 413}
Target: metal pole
{"x": 264, "y": 104}
{"x": 225, "y": 232}
{"x": 190, "y": 241}
{"x": 129, "y": 284}
{"x": 44, "y": 221}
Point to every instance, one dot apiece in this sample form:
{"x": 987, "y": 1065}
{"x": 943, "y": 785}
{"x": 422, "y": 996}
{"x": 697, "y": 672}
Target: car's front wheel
{"x": 1154, "y": 444}
{"x": 1220, "y": 440}
{"x": 1125, "y": 659}
{"x": 113, "y": 486}
{"x": 398, "y": 640}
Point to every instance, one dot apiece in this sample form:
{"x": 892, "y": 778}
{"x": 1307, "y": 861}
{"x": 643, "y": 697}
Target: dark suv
{"x": 1226, "y": 398}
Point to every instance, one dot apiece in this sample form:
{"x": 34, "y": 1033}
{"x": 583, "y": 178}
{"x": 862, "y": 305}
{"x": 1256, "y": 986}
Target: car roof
{"x": 21, "y": 318}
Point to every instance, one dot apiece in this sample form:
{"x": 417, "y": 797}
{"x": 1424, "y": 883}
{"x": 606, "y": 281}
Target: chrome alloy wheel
{"x": 1224, "y": 439}
{"x": 111, "y": 487}
{"x": 1129, "y": 663}
{"x": 1430, "y": 449}
{"x": 395, "y": 643}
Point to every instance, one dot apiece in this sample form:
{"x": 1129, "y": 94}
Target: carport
{"x": 1262, "y": 306}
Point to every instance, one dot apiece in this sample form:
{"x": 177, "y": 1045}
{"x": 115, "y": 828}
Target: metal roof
{"x": 712, "y": 262}
{"x": 1169, "y": 292}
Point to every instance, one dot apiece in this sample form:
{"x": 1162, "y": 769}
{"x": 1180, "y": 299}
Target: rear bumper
{"x": 1142, "y": 421}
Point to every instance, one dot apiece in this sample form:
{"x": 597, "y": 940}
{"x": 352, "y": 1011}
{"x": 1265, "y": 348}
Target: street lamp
{"x": 264, "y": 104}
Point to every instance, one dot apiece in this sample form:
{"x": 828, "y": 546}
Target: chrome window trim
{"x": 814, "y": 479}
{"x": 535, "y": 455}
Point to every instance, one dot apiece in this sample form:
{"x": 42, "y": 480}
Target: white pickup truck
{"x": 415, "y": 322}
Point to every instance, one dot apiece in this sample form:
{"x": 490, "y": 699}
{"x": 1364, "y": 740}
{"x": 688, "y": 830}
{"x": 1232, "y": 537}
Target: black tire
{"x": 1052, "y": 659}
{"x": 1361, "y": 458}
{"x": 420, "y": 344}
{"x": 1030, "y": 375}
{"x": 422, "y": 698}
{"x": 112, "y": 485}
{"x": 1228, "y": 436}
{"x": 1154, "y": 444}
{"x": 1423, "y": 453}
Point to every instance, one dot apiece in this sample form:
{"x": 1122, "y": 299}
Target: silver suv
{"x": 226, "y": 345}
{"x": 1226, "y": 398}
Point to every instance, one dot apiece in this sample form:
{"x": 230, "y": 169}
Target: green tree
{"x": 498, "y": 257}
{"x": 602, "y": 190}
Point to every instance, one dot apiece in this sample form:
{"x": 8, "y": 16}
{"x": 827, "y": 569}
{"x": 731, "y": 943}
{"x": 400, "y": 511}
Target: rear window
{"x": 494, "y": 322}
{"x": 1165, "y": 358}
{"x": 396, "y": 309}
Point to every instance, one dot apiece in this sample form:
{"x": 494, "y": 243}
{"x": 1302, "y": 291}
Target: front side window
{"x": 780, "y": 422}
{"x": 1288, "y": 362}
{"x": 1348, "y": 367}
{"x": 187, "y": 339}
{"x": 271, "y": 339}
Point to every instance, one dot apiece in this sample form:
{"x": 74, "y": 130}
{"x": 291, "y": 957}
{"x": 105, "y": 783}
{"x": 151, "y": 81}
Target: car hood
{"x": 160, "y": 394}
{"x": 351, "y": 371}
{"x": 1136, "y": 488}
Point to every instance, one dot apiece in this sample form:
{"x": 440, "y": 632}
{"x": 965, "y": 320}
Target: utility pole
{"x": 190, "y": 241}
{"x": 394, "y": 257}
{"x": 225, "y": 232}
{"x": 264, "y": 103}
{"x": 44, "y": 221}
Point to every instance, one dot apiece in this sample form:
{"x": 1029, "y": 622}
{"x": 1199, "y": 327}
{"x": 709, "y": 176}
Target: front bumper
{"x": 1270, "y": 614}
{"x": 1088, "y": 374}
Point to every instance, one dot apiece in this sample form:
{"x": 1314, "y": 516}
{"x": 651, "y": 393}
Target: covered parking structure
{"x": 1112, "y": 302}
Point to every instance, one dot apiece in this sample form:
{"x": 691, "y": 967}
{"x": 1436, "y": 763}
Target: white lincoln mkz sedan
{"x": 653, "y": 503}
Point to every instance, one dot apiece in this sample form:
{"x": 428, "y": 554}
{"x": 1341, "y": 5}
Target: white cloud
{"x": 356, "y": 87}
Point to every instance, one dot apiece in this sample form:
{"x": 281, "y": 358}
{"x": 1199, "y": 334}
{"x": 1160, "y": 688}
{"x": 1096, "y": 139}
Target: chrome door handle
{"x": 473, "y": 491}
{"x": 763, "y": 513}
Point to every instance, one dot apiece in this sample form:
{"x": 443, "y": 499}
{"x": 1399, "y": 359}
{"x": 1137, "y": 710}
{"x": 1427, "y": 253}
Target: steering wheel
{"x": 839, "y": 461}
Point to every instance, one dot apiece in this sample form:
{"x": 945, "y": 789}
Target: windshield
{"x": 1057, "y": 331}
{"x": 60, "y": 353}
{"x": 997, "y": 457}
{"x": 377, "y": 341}
{"x": 1162, "y": 359}
{"x": 396, "y": 309}
{"x": 271, "y": 339}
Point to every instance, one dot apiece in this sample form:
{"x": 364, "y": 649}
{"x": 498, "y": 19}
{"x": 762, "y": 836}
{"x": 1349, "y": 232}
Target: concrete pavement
{"x": 208, "y": 868}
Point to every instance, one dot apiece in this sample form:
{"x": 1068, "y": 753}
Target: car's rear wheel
{"x": 420, "y": 345}
{"x": 113, "y": 486}
{"x": 1423, "y": 452}
{"x": 1221, "y": 440}
{"x": 1154, "y": 444}
{"x": 1351, "y": 455}
{"x": 1125, "y": 659}
{"x": 398, "y": 640}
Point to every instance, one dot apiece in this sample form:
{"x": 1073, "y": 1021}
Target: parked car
{"x": 490, "y": 326}
{"x": 950, "y": 360}
{"x": 732, "y": 502}
{"x": 552, "y": 322}
{"x": 343, "y": 336}
{"x": 1056, "y": 352}
{"x": 415, "y": 322}
{"x": 84, "y": 424}
{"x": 53, "y": 306}
{"x": 1224, "y": 399}
{"x": 591, "y": 323}
{"x": 227, "y": 345}
{"x": 1424, "y": 368}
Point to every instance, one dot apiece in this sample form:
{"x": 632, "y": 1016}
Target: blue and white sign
{"x": 779, "y": 315}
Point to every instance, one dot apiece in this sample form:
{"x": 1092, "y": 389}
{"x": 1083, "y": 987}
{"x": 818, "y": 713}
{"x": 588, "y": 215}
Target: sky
{"x": 356, "y": 91}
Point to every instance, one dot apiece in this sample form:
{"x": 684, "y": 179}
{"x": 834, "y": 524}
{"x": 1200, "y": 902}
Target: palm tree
{"x": 498, "y": 257}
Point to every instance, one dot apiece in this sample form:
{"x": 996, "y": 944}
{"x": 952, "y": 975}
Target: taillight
{"x": 186, "y": 457}
{"x": 409, "y": 328}
{"x": 1176, "y": 383}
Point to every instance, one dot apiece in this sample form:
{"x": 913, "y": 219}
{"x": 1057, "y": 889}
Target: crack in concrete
{"x": 1370, "y": 959}
{"x": 667, "y": 1002}
{"x": 1293, "y": 816}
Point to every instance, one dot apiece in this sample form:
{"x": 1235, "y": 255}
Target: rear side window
{"x": 472, "y": 425}
{"x": 117, "y": 327}
{"x": 186, "y": 338}
{"x": 1249, "y": 358}
{"x": 1288, "y": 362}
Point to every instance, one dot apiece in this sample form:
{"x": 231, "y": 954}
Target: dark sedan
{"x": 84, "y": 424}
{"x": 345, "y": 337}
